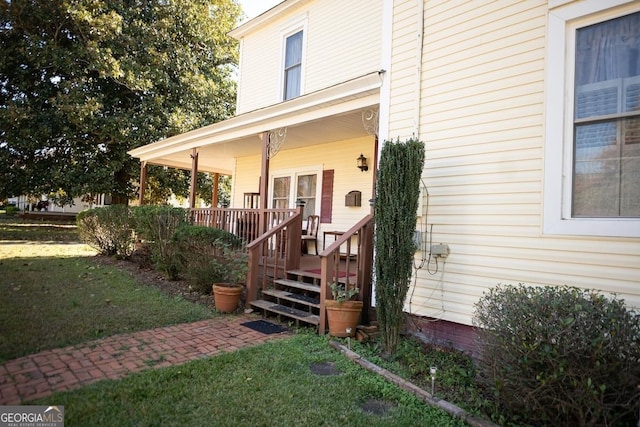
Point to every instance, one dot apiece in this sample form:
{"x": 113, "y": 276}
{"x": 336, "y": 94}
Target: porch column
{"x": 143, "y": 182}
{"x": 194, "y": 178}
{"x": 214, "y": 191}
{"x": 264, "y": 183}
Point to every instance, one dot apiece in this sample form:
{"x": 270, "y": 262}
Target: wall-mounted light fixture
{"x": 362, "y": 163}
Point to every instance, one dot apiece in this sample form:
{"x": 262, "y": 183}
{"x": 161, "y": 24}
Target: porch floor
{"x": 312, "y": 262}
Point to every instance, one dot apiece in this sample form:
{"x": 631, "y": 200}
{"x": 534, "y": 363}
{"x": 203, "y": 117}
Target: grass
{"x": 455, "y": 379}
{"x": 53, "y": 295}
{"x": 268, "y": 385}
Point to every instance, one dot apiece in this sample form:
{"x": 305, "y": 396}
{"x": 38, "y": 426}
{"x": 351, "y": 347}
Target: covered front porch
{"x": 314, "y": 155}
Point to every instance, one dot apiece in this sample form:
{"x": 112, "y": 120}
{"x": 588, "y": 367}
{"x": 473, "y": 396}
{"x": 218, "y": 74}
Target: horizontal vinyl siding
{"x": 402, "y": 118}
{"x": 342, "y": 41}
{"x": 339, "y": 156}
{"x": 481, "y": 118}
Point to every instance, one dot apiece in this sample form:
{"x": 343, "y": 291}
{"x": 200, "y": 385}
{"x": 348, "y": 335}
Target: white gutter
{"x": 385, "y": 64}
{"x": 418, "y": 94}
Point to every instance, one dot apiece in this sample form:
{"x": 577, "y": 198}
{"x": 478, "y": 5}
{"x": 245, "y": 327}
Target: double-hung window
{"x": 592, "y": 148}
{"x": 293, "y": 65}
{"x": 305, "y": 188}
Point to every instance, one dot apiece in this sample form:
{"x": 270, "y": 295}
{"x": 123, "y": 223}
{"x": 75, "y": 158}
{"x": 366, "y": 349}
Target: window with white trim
{"x": 306, "y": 188}
{"x": 593, "y": 121}
{"x": 293, "y": 65}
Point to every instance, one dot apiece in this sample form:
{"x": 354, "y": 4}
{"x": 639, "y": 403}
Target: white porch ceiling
{"x": 325, "y": 116}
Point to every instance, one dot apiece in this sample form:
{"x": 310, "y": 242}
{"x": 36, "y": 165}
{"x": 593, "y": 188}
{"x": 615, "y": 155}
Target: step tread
{"x": 304, "y": 274}
{"x": 318, "y": 276}
{"x": 303, "y": 316}
{"x": 300, "y": 285}
{"x": 297, "y": 298}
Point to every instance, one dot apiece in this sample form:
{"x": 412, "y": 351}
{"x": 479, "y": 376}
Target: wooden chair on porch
{"x": 311, "y": 235}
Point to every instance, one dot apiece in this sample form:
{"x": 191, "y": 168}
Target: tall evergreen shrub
{"x": 396, "y": 204}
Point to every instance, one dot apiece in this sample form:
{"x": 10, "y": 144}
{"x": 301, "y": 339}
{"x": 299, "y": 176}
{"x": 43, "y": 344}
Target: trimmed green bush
{"x": 109, "y": 230}
{"x": 153, "y": 223}
{"x": 560, "y": 355}
{"x": 156, "y": 225}
{"x": 210, "y": 255}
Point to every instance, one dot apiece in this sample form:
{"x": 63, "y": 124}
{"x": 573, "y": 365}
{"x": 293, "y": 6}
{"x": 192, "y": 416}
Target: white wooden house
{"x": 529, "y": 110}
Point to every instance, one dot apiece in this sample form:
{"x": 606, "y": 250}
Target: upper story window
{"x": 293, "y": 65}
{"x": 592, "y": 146}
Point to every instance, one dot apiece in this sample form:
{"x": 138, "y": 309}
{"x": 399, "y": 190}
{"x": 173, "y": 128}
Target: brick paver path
{"x": 39, "y": 375}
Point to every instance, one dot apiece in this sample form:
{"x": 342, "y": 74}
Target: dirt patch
{"x": 145, "y": 275}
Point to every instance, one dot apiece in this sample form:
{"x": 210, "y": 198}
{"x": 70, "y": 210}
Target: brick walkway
{"x": 39, "y": 375}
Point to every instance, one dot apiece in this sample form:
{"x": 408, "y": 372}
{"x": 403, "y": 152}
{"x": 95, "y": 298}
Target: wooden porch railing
{"x": 245, "y": 223}
{"x": 359, "y": 259}
{"x": 273, "y": 253}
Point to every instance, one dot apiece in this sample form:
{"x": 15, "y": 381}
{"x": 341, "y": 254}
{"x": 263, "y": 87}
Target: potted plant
{"x": 343, "y": 314}
{"x": 213, "y": 260}
{"x": 229, "y": 269}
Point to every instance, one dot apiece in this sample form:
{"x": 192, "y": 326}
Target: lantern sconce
{"x": 362, "y": 163}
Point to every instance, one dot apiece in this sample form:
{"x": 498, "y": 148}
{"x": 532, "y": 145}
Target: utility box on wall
{"x": 353, "y": 198}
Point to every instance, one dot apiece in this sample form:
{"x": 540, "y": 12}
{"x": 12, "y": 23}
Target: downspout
{"x": 418, "y": 83}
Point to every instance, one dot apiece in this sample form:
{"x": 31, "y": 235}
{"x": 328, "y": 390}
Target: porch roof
{"x": 327, "y": 115}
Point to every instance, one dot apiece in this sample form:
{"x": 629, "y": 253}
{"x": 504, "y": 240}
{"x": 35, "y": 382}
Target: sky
{"x": 253, "y": 8}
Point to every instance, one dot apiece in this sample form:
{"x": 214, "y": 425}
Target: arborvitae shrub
{"x": 559, "y": 355}
{"x": 396, "y": 204}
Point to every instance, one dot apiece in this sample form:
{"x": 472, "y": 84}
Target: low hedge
{"x": 559, "y": 355}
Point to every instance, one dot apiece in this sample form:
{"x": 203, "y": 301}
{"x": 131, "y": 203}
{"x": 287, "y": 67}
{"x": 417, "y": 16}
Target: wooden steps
{"x": 297, "y": 297}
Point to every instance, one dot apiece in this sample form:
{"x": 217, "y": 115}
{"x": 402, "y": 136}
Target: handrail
{"x": 281, "y": 246}
{"x": 245, "y": 223}
{"x": 340, "y": 240}
{"x": 271, "y": 232}
{"x": 330, "y": 263}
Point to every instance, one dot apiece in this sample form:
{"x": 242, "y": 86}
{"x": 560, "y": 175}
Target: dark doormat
{"x": 265, "y": 327}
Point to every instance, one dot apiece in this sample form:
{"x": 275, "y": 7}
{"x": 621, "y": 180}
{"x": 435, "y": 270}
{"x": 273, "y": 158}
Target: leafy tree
{"x": 396, "y": 204}
{"x": 84, "y": 81}
{"x": 162, "y": 182}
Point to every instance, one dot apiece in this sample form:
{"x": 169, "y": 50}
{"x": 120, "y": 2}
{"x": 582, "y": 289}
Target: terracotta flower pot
{"x": 342, "y": 316}
{"x": 226, "y": 297}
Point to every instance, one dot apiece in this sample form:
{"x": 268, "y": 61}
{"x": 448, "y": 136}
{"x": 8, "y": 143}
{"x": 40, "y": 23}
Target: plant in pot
{"x": 343, "y": 314}
{"x": 229, "y": 269}
{"x": 213, "y": 259}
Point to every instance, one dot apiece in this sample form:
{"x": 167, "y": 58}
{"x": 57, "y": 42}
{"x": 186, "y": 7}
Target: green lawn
{"x": 52, "y": 294}
{"x": 268, "y": 385}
